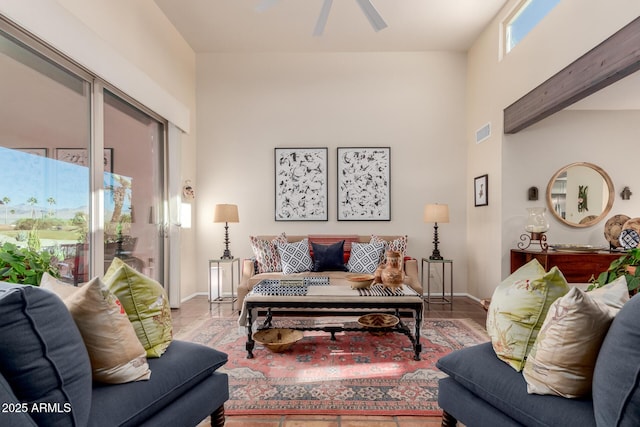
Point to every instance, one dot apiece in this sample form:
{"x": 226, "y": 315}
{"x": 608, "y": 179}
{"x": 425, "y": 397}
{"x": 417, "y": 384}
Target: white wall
{"x": 600, "y": 137}
{"x": 569, "y": 31}
{"x": 248, "y": 104}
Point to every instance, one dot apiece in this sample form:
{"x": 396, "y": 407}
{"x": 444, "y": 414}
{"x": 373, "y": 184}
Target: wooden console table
{"x": 577, "y": 267}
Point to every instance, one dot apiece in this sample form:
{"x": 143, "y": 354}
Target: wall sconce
{"x": 626, "y": 193}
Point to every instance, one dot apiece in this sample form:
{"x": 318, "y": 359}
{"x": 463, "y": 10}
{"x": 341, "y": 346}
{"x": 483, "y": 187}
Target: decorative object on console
{"x": 301, "y": 184}
{"x": 626, "y": 193}
{"x": 364, "y": 187}
{"x": 226, "y": 213}
{"x": 437, "y": 214}
{"x": 613, "y": 228}
{"x": 481, "y": 190}
{"x": 537, "y": 224}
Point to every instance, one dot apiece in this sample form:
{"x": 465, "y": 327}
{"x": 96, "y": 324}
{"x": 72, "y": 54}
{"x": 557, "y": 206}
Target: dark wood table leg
{"x": 250, "y": 343}
{"x": 417, "y": 346}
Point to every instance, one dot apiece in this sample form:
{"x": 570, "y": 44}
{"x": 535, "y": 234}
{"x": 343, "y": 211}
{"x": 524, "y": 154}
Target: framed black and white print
{"x": 481, "y": 190}
{"x": 301, "y": 184}
{"x": 364, "y": 187}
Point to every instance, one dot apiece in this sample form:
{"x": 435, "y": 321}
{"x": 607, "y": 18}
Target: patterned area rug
{"x": 358, "y": 374}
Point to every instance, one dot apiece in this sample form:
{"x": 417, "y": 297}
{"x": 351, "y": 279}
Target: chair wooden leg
{"x": 448, "y": 420}
{"x": 217, "y": 418}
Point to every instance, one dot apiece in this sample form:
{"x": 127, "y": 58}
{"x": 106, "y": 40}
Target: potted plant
{"x": 25, "y": 265}
{"x": 623, "y": 266}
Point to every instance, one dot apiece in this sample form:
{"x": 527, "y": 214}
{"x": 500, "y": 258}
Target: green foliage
{"x": 618, "y": 268}
{"x": 24, "y": 265}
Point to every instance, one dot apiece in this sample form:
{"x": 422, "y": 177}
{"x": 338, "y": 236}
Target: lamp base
{"x": 435, "y": 255}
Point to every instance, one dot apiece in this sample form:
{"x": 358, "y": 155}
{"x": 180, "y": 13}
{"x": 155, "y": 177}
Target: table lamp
{"x": 226, "y": 213}
{"x": 437, "y": 214}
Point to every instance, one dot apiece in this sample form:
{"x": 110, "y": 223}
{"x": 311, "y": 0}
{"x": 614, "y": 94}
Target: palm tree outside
{"x": 5, "y": 202}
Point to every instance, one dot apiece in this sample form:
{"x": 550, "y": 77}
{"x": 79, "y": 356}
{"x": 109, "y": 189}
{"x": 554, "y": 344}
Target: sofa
{"x": 482, "y": 390}
{"x": 251, "y": 274}
{"x": 46, "y": 374}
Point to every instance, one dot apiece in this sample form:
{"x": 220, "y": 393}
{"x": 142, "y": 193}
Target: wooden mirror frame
{"x": 605, "y": 211}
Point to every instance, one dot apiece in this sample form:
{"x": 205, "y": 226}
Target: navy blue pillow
{"x": 43, "y": 357}
{"x": 328, "y": 257}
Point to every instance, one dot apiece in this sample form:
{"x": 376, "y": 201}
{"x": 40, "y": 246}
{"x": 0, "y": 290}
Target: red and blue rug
{"x": 358, "y": 374}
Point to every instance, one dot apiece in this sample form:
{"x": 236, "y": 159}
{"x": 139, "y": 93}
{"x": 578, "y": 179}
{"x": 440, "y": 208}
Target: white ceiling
{"x": 413, "y": 25}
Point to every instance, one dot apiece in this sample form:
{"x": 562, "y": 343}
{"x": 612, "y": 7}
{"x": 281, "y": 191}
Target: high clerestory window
{"x": 524, "y": 18}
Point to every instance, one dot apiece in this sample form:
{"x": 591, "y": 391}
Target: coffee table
{"x": 334, "y": 300}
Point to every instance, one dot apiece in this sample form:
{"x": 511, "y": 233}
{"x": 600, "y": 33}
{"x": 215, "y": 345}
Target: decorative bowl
{"x": 376, "y": 321}
{"x": 360, "y": 281}
{"x": 278, "y": 339}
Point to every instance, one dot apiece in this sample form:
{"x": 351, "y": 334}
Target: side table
{"x": 217, "y": 263}
{"x": 444, "y": 298}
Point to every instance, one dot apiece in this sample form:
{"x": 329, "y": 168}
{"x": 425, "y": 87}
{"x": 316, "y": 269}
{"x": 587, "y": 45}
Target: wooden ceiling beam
{"x": 610, "y": 61}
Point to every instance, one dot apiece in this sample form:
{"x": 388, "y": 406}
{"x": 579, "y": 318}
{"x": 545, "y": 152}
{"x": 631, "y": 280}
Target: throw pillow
{"x": 266, "y": 253}
{"x": 295, "y": 257}
{"x": 42, "y": 355}
{"x": 146, "y": 304}
{"x": 365, "y": 257}
{"x": 399, "y": 245}
{"x": 115, "y": 352}
{"x": 328, "y": 257}
{"x": 562, "y": 359}
{"x": 518, "y": 308}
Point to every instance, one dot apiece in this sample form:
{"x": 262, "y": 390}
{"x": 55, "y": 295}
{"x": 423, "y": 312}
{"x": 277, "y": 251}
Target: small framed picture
{"x": 481, "y": 190}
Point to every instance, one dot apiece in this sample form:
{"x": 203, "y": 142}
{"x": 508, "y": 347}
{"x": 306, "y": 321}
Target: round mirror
{"x": 580, "y": 194}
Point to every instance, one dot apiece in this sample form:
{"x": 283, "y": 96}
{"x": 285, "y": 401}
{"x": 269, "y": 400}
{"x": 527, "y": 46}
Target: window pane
{"x": 134, "y": 183}
{"x": 44, "y": 141}
{"x": 526, "y": 18}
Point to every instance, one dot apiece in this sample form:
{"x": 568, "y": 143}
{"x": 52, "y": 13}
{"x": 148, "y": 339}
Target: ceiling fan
{"x": 367, "y": 7}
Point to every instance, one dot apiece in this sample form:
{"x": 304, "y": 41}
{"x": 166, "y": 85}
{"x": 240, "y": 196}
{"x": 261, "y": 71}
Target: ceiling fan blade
{"x": 372, "y": 15}
{"x": 265, "y": 5}
{"x": 322, "y": 19}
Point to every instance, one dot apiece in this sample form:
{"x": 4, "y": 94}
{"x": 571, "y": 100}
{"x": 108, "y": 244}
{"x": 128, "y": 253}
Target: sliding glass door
{"x": 45, "y": 138}
{"x": 133, "y": 187}
{"x": 81, "y": 166}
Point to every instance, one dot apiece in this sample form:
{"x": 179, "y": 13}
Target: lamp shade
{"x": 226, "y": 213}
{"x": 436, "y": 213}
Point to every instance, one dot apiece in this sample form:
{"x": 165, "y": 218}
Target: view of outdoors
{"x": 44, "y": 203}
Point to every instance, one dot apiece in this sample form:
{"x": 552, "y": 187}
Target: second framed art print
{"x": 301, "y": 184}
{"x": 364, "y": 187}
{"x": 481, "y": 190}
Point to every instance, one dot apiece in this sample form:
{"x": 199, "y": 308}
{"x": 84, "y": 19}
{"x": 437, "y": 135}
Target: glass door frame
{"x": 95, "y": 235}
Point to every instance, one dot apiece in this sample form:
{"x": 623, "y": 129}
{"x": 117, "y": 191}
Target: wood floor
{"x": 195, "y": 308}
